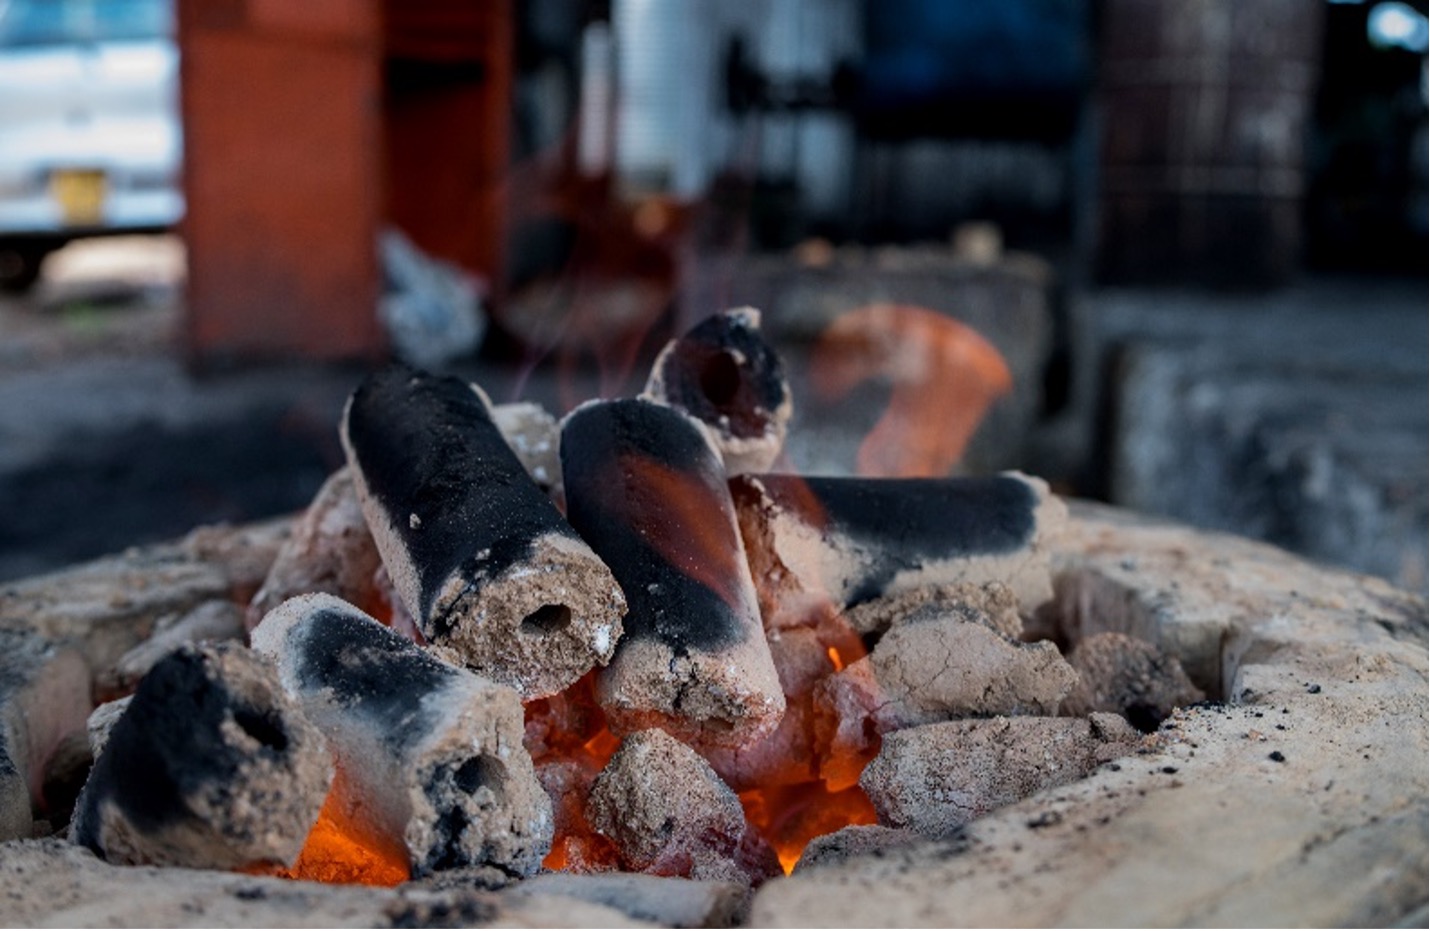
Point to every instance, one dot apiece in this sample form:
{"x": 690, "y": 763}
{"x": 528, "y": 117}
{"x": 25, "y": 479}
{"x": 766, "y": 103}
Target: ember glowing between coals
{"x": 495, "y": 643}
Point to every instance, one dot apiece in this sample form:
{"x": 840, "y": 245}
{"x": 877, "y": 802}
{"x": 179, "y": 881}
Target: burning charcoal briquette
{"x": 329, "y": 550}
{"x": 645, "y": 486}
{"x": 210, "y": 766}
{"x": 666, "y": 810}
{"x": 936, "y": 778}
{"x": 723, "y": 373}
{"x": 787, "y": 756}
{"x": 820, "y": 544}
{"x": 431, "y": 755}
{"x": 481, "y": 558}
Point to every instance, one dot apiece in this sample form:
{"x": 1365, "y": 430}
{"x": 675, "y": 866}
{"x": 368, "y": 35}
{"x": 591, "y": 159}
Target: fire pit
{"x": 959, "y": 660}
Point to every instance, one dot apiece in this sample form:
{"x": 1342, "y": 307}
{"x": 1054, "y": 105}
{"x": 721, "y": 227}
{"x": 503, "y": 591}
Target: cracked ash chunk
{"x": 667, "y": 812}
{"x": 934, "y": 665}
{"x": 1128, "y": 676}
{"x": 937, "y": 778}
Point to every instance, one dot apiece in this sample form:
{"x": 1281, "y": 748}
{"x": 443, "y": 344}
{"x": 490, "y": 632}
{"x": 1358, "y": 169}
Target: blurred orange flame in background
{"x": 943, "y": 376}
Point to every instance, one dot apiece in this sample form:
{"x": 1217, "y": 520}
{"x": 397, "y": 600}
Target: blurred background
{"x": 1194, "y": 230}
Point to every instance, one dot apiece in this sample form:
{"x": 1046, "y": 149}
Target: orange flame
{"x": 944, "y": 376}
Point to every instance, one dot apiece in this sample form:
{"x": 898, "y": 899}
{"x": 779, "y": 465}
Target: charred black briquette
{"x": 723, "y": 373}
{"x": 645, "y": 486}
{"x": 430, "y": 753}
{"x": 210, "y": 766}
{"x": 479, "y": 555}
{"x": 851, "y": 539}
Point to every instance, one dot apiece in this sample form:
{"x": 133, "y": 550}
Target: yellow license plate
{"x": 79, "y": 192}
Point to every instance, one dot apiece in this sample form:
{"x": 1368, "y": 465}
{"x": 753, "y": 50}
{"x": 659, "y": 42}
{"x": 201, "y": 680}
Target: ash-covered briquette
{"x": 44, "y": 698}
{"x": 829, "y": 543}
{"x": 936, "y": 778}
{"x": 431, "y": 755}
{"x": 210, "y": 766}
{"x": 645, "y": 486}
{"x": 666, "y": 811}
{"x": 482, "y": 560}
{"x": 937, "y": 663}
{"x": 724, "y": 374}
{"x": 329, "y": 550}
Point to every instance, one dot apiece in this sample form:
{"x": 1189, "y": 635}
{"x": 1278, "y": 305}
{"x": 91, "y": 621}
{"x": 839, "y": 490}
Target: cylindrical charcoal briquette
{"x": 819, "y": 543}
{"x": 482, "y": 560}
{"x": 646, "y": 487}
{"x": 723, "y": 373}
{"x": 431, "y": 754}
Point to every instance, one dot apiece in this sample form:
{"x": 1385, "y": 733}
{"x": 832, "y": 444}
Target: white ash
{"x": 935, "y": 778}
{"x": 992, "y": 604}
{"x": 1128, "y": 676}
{"x": 328, "y": 550}
{"x": 941, "y": 662}
{"x": 531, "y": 432}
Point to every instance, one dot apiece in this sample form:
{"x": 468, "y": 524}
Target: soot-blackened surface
{"x": 371, "y": 672}
{"x": 647, "y": 492}
{"x": 724, "y": 368}
{"x": 168, "y": 745}
{"x": 427, "y": 447}
{"x": 906, "y": 523}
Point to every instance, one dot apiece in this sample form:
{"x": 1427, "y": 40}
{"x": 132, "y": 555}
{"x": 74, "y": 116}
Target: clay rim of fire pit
{"x": 1300, "y": 798}
{"x": 1322, "y": 823}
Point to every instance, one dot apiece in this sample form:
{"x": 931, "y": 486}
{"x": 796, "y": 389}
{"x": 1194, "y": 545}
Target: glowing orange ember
{"x": 340, "y": 851}
{"x": 790, "y": 817}
{"x": 943, "y": 377}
